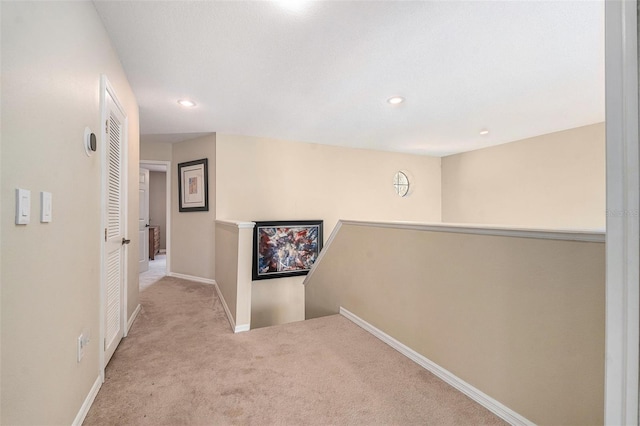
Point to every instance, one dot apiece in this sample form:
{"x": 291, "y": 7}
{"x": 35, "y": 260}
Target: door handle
{"x": 147, "y": 225}
{"x": 125, "y": 241}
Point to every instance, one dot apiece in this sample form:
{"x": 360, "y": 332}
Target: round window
{"x": 401, "y": 184}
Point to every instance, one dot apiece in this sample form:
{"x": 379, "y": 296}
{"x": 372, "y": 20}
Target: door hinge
{"x": 104, "y": 344}
{"x": 106, "y": 127}
{"x": 105, "y": 235}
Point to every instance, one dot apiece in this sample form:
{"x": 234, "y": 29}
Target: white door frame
{"x": 623, "y": 194}
{"x": 143, "y": 265}
{"x": 106, "y": 87}
{"x": 168, "y": 206}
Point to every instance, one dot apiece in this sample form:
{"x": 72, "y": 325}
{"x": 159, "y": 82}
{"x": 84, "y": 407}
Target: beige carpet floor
{"x": 181, "y": 364}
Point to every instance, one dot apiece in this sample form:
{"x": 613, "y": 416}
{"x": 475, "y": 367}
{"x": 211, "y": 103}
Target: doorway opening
{"x": 158, "y": 226}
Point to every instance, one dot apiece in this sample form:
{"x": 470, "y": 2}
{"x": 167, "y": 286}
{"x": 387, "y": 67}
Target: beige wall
{"x": 233, "y": 271}
{"x": 158, "y": 151}
{"x": 514, "y": 317}
{"x": 52, "y": 57}
{"x": 550, "y": 181}
{"x": 266, "y": 179}
{"x": 227, "y": 261}
{"x": 158, "y": 204}
{"x": 193, "y": 233}
{"x": 244, "y": 283}
{"x": 277, "y": 301}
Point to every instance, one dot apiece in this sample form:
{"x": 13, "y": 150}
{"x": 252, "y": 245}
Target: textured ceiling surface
{"x": 322, "y": 71}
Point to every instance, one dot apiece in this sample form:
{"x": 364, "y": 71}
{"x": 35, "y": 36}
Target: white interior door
{"x": 114, "y": 238}
{"x": 143, "y": 221}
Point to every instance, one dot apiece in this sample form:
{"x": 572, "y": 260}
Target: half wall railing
{"x": 515, "y": 318}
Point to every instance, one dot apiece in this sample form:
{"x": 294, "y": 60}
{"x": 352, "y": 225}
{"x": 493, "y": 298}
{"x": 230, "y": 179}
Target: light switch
{"x": 23, "y": 206}
{"x": 45, "y": 207}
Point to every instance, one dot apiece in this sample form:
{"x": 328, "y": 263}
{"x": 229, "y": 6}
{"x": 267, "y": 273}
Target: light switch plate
{"x": 23, "y": 206}
{"x": 45, "y": 207}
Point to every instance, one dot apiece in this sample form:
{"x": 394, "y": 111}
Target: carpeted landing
{"x": 181, "y": 364}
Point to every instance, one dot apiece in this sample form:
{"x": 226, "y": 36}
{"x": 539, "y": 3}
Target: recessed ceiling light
{"x": 395, "y": 100}
{"x": 293, "y": 5}
{"x": 484, "y": 132}
{"x": 186, "y": 103}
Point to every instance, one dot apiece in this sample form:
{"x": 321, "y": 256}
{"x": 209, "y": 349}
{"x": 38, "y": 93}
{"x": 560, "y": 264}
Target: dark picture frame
{"x": 285, "y": 248}
{"x": 193, "y": 186}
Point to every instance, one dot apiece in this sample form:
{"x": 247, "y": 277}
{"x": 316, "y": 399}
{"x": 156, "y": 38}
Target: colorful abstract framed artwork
{"x": 285, "y": 248}
{"x": 193, "y": 189}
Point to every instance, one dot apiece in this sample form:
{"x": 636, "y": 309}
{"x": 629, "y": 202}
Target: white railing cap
{"x": 236, "y": 223}
{"x": 586, "y": 235}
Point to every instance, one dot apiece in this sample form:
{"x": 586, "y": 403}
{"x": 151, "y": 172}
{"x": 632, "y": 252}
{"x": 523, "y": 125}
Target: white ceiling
{"x": 323, "y": 73}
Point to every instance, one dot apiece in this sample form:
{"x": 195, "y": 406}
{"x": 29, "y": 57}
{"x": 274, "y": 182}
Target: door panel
{"x": 113, "y": 298}
{"x": 114, "y": 232}
{"x": 143, "y": 221}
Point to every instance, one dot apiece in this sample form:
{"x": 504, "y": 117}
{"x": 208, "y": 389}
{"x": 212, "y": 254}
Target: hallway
{"x": 157, "y": 270}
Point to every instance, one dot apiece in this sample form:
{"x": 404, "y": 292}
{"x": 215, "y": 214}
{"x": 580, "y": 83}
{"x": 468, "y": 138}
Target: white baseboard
{"x": 232, "y": 322}
{"x": 192, "y": 278}
{"x": 236, "y": 328}
{"x": 241, "y": 328}
{"x": 132, "y": 319}
{"x": 86, "y": 405}
{"x": 478, "y": 396}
